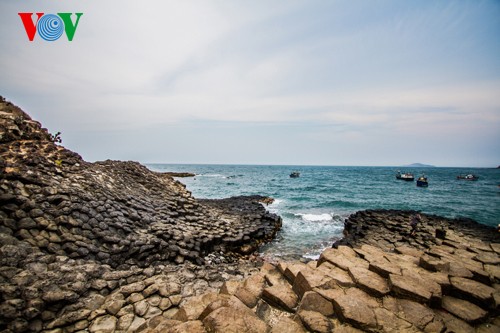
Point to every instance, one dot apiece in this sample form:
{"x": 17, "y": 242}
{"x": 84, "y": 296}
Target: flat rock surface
{"x": 463, "y": 309}
{"x": 369, "y": 281}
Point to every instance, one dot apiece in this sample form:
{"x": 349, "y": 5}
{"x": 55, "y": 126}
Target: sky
{"x": 382, "y": 83}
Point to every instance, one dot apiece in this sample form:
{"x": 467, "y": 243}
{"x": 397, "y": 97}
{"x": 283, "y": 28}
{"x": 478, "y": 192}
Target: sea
{"x": 315, "y": 205}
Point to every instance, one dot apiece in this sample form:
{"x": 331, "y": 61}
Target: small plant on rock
{"x": 56, "y": 138}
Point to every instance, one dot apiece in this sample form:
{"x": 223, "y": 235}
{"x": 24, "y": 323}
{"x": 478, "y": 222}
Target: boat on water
{"x": 405, "y": 176}
{"x": 422, "y": 181}
{"x": 468, "y": 177}
{"x": 295, "y": 174}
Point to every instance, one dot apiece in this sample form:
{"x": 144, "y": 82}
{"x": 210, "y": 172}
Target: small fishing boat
{"x": 295, "y": 174}
{"x": 405, "y": 176}
{"x": 468, "y": 177}
{"x": 422, "y": 181}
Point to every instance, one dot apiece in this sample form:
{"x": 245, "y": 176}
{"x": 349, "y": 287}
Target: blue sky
{"x": 264, "y": 82}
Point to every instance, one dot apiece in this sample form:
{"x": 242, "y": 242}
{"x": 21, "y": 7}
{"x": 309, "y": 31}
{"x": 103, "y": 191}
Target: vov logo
{"x": 50, "y": 26}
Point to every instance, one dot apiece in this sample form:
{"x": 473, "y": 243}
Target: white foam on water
{"x": 306, "y": 234}
{"x": 311, "y": 256}
{"x": 316, "y": 217}
{"x": 275, "y": 203}
{"x": 274, "y": 206}
{"x": 212, "y": 175}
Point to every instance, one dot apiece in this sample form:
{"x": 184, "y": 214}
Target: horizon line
{"x": 322, "y": 165}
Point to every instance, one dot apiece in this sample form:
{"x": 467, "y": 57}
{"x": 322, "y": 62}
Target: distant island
{"x": 419, "y": 165}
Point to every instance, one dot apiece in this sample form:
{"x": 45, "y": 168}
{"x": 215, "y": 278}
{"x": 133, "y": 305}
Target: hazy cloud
{"x": 338, "y": 79}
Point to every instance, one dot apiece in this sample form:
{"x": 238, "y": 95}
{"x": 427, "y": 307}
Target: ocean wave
{"x": 315, "y": 217}
{"x": 276, "y": 202}
{"x": 218, "y": 175}
{"x": 211, "y": 175}
{"x": 234, "y": 176}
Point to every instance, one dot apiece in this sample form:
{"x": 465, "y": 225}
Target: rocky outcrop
{"x": 391, "y": 228}
{"x": 371, "y": 288}
{"x": 73, "y": 232}
{"x": 179, "y": 174}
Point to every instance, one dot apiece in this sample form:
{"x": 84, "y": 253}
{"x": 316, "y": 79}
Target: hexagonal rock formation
{"x": 369, "y": 289}
{"x": 113, "y": 212}
{"x": 88, "y": 247}
{"x": 70, "y": 229}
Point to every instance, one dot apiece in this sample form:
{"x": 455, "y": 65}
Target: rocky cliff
{"x": 68, "y": 226}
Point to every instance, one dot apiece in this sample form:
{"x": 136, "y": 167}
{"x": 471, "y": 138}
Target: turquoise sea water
{"x": 314, "y": 206}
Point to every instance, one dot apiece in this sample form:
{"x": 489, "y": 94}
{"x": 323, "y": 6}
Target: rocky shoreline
{"x": 180, "y": 174}
{"x": 114, "y": 247}
{"x": 71, "y": 230}
{"x": 378, "y": 278}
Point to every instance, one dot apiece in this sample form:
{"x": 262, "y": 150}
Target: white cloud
{"x": 136, "y": 65}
